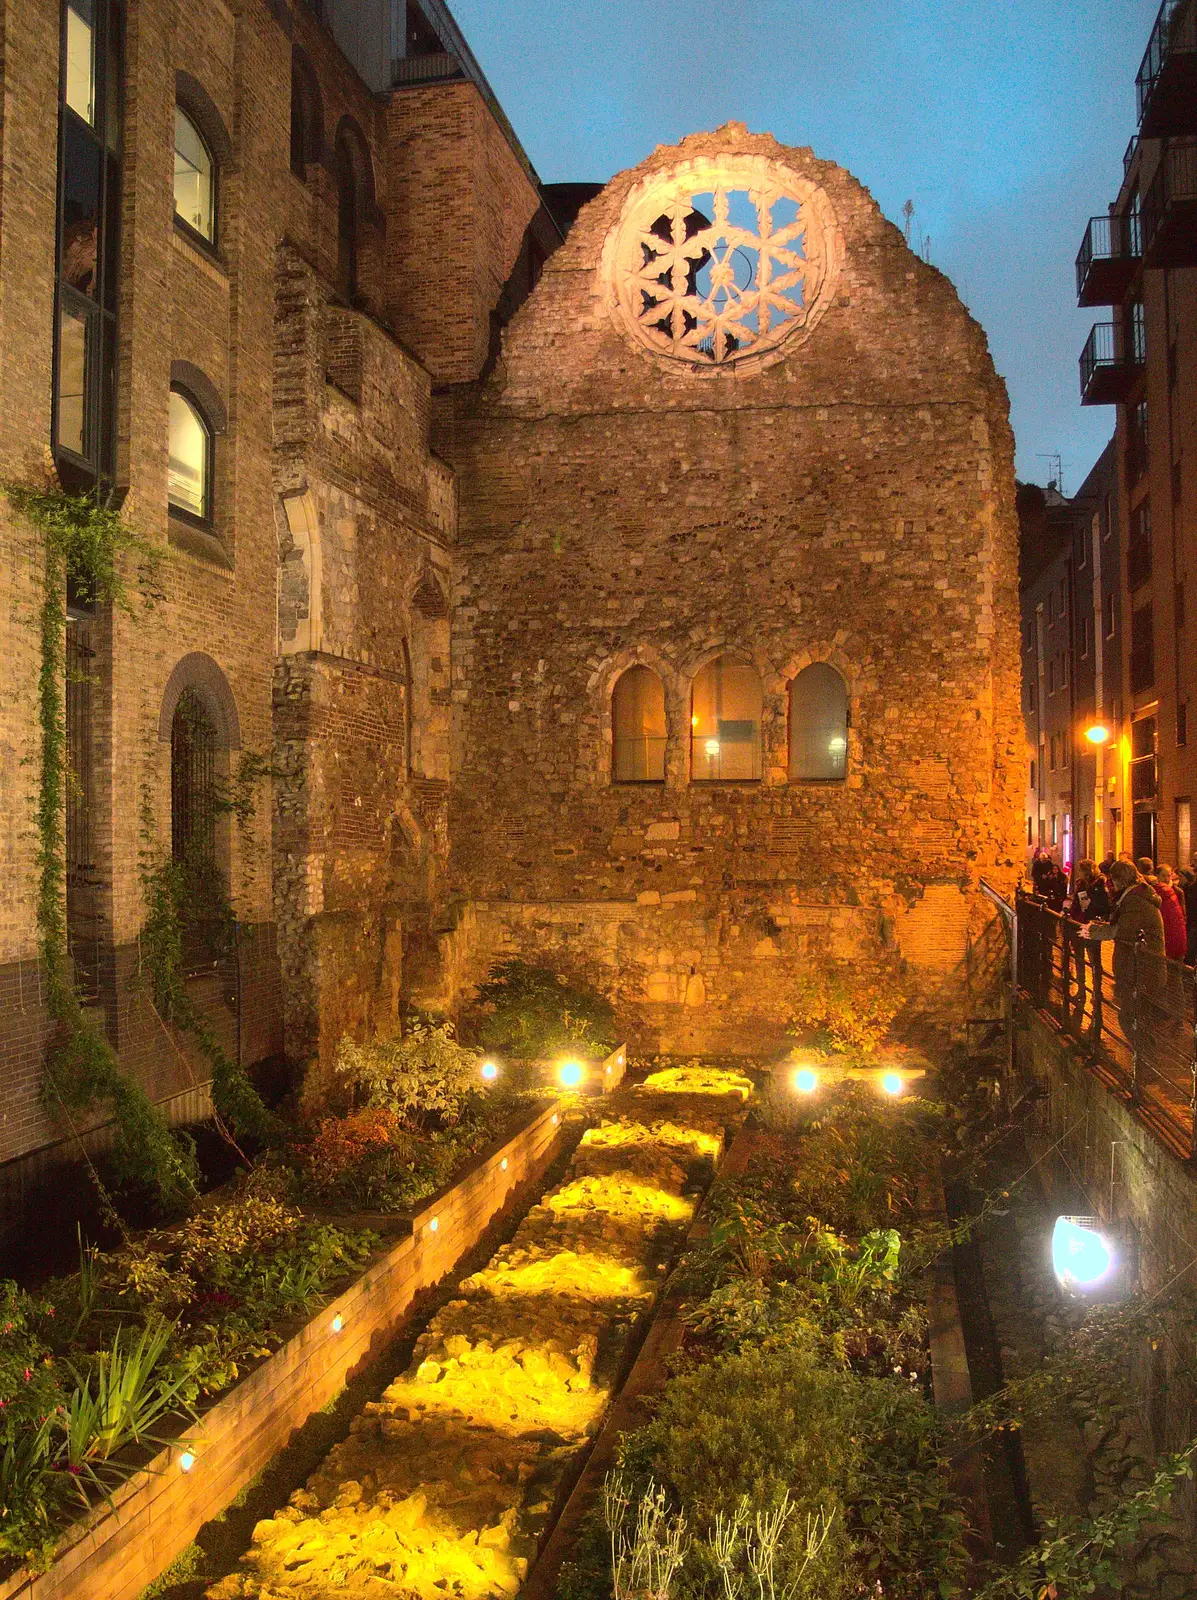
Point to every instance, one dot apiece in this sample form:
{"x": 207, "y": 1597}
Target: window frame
{"x": 620, "y": 676}
{"x": 841, "y": 777}
{"x": 737, "y": 660}
{"x": 207, "y": 521}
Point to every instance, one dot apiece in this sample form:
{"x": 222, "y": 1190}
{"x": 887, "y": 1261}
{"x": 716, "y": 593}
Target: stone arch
{"x": 300, "y": 576}
{"x": 601, "y": 687}
{"x": 428, "y": 597}
{"x": 199, "y": 673}
{"x": 201, "y": 108}
{"x": 194, "y": 381}
{"x": 739, "y": 657}
{"x": 818, "y": 651}
{"x": 307, "y": 114}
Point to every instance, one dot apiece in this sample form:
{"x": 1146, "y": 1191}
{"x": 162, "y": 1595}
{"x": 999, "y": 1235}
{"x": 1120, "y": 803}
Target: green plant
{"x": 85, "y": 545}
{"x": 423, "y": 1075}
{"x": 121, "y": 1397}
{"x": 531, "y": 1011}
{"x": 844, "y": 1015}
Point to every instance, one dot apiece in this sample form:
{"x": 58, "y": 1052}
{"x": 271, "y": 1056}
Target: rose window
{"x": 722, "y": 262}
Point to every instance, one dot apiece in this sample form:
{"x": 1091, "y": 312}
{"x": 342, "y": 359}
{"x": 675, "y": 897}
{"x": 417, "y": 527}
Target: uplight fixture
{"x": 1083, "y": 1254}
{"x": 490, "y": 1071}
{"x": 503, "y": 1164}
{"x": 892, "y": 1083}
{"x": 338, "y": 1322}
{"x": 556, "y": 1119}
{"x": 434, "y": 1224}
{"x": 570, "y": 1074}
{"x": 806, "y": 1081}
{"x": 186, "y": 1461}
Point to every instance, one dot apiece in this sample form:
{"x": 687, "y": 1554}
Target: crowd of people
{"x": 1135, "y": 904}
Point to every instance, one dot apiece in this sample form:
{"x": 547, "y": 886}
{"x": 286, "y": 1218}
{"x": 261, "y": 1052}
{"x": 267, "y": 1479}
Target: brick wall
{"x": 852, "y": 502}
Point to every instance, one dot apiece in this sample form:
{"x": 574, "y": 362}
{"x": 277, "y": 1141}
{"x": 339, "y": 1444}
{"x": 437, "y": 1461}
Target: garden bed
{"x": 125, "y": 1542}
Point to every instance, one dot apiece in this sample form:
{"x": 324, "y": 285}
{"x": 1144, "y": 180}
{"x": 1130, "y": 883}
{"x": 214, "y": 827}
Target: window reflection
{"x": 72, "y": 378}
{"x": 818, "y": 724}
{"x": 188, "y": 457}
{"x": 80, "y": 84}
{"x": 725, "y": 722}
{"x": 193, "y": 178}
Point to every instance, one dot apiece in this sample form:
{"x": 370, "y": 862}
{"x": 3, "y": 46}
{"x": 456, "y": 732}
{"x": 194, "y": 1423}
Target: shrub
{"x": 531, "y": 1011}
{"x": 844, "y": 1016}
{"x": 424, "y": 1076}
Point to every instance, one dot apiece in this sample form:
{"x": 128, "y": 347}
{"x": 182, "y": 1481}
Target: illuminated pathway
{"x": 444, "y": 1485}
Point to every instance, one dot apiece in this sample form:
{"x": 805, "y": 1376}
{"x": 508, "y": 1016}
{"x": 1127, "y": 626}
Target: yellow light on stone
{"x": 570, "y": 1074}
{"x": 892, "y": 1083}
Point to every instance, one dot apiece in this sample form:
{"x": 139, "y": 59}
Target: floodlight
{"x": 892, "y": 1083}
{"x": 570, "y": 1074}
{"x": 490, "y": 1071}
{"x": 806, "y": 1081}
{"x": 1082, "y": 1252}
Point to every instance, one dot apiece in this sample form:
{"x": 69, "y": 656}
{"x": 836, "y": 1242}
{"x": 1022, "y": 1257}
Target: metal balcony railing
{"x": 1107, "y": 369}
{"x": 1167, "y": 78}
{"x": 1170, "y": 209}
{"x": 1108, "y": 259}
{"x": 425, "y": 69}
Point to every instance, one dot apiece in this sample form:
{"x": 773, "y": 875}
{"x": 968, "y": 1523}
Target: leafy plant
{"x": 843, "y": 1015}
{"x": 531, "y": 1011}
{"x": 423, "y": 1075}
{"x": 122, "y": 1396}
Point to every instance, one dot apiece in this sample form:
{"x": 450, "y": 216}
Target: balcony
{"x": 1108, "y": 259}
{"x": 428, "y": 68}
{"x": 1108, "y": 368}
{"x": 1170, "y": 209}
{"x": 1167, "y": 80}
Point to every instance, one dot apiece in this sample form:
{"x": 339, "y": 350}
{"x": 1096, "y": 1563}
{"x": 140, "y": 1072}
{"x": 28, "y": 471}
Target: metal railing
{"x": 1175, "y": 32}
{"x": 1107, "y": 238}
{"x": 1174, "y": 184}
{"x": 1134, "y": 1015}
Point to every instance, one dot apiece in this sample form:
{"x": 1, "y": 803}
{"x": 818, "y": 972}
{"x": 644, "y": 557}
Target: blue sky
{"x": 1004, "y": 121}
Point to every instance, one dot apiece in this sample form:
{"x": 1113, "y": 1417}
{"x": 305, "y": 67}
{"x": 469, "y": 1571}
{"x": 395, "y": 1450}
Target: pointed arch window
{"x": 725, "y": 722}
{"x": 638, "y": 729}
{"x": 818, "y": 725}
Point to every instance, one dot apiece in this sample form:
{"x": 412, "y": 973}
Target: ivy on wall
{"x": 87, "y": 547}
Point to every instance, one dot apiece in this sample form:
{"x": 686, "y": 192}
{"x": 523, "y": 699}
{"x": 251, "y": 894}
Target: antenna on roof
{"x": 1055, "y": 470}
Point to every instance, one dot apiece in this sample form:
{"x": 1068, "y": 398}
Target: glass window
{"x": 638, "y": 727}
{"x": 79, "y": 88}
{"x": 818, "y": 724}
{"x": 192, "y": 782}
{"x": 725, "y": 722}
{"x": 194, "y": 186}
{"x": 189, "y": 457}
{"x": 73, "y": 373}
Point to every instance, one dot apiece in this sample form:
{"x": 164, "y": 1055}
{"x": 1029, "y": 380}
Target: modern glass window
{"x": 195, "y": 178}
{"x": 725, "y": 722}
{"x": 818, "y": 725}
{"x": 88, "y": 236}
{"x": 638, "y": 727}
{"x": 189, "y": 462}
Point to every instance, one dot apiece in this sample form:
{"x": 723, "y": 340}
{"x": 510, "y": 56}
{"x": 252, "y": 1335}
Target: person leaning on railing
{"x": 1136, "y": 910}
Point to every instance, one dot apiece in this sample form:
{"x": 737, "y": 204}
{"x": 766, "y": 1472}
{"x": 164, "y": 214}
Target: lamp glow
{"x": 556, "y": 1119}
{"x": 805, "y": 1081}
{"x": 338, "y": 1322}
{"x": 503, "y": 1164}
{"x": 570, "y": 1074}
{"x": 1098, "y": 733}
{"x": 490, "y": 1071}
{"x": 1082, "y": 1255}
{"x": 892, "y": 1083}
{"x": 711, "y": 747}
{"x": 434, "y": 1224}
{"x": 186, "y": 1461}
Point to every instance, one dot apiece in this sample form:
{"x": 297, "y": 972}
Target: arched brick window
{"x": 818, "y": 725}
{"x": 193, "y": 784}
{"x": 638, "y": 729}
{"x": 307, "y": 114}
{"x": 355, "y": 201}
{"x": 725, "y": 722}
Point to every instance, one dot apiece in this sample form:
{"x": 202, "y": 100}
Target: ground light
{"x": 490, "y": 1071}
{"x": 806, "y": 1081}
{"x": 892, "y": 1083}
{"x": 186, "y": 1461}
{"x": 569, "y": 1073}
{"x": 338, "y": 1322}
{"x": 1083, "y": 1255}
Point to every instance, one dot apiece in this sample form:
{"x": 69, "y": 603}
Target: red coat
{"x": 1172, "y": 909}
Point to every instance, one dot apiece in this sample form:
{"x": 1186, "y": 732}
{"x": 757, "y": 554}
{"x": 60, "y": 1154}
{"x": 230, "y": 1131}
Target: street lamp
{"x": 1097, "y": 733}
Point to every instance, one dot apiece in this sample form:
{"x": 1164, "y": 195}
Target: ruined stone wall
{"x": 847, "y": 498}
{"x": 362, "y": 684}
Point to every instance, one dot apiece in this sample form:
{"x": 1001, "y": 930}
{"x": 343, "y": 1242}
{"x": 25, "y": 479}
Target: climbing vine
{"x": 85, "y": 545}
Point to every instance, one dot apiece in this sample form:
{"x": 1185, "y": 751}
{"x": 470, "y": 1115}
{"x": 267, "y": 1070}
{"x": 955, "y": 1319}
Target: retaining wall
{"x": 125, "y": 1544}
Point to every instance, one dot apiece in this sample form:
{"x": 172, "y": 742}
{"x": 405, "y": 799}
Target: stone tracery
{"x": 721, "y": 261}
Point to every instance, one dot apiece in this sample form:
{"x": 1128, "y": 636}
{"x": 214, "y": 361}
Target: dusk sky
{"x": 1005, "y": 124}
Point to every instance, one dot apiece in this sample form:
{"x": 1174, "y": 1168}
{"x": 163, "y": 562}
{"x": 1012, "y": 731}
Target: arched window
{"x": 818, "y": 725}
{"x": 307, "y": 121}
{"x": 638, "y": 727}
{"x": 725, "y": 722}
{"x": 192, "y": 784}
{"x": 189, "y": 458}
{"x": 195, "y": 178}
{"x": 348, "y": 220}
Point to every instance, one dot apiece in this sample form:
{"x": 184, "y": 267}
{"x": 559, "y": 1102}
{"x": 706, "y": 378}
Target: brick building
{"x": 667, "y": 624}
{"x": 1070, "y": 559}
{"x": 1140, "y": 260}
